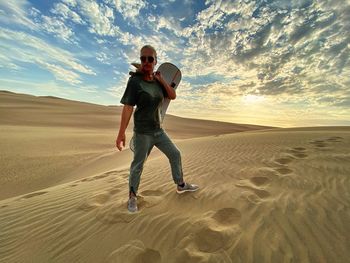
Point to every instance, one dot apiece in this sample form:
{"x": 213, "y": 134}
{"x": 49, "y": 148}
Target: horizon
{"x": 270, "y": 63}
{"x": 96, "y": 104}
{"x": 184, "y": 117}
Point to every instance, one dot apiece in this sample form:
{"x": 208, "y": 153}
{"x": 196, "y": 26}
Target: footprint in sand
{"x": 292, "y": 155}
{"x": 267, "y": 172}
{"x": 284, "y": 170}
{"x": 227, "y": 216}
{"x": 299, "y": 149}
{"x": 300, "y": 155}
{"x": 135, "y": 252}
{"x": 219, "y": 231}
{"x": 282, "y": 163}
{"x": 94, "y": 201}
{"x": 319, "y": 143}
{"x": 33, "y": 195}
{"x": 211, "y": 237}
{"x": 110, "y": 210}
{"x": 260, "y": 193}
{"x": 115, "y": 213}
{"x": 324, "y": 143}
{"x": 259, "y": 180}
{"x": 210, "y": 240}
{"x": 299, "y": 152}
{"x": 284, "y": 160}
{"x": 334, "y": 139}
{"x": 256, "y": 185}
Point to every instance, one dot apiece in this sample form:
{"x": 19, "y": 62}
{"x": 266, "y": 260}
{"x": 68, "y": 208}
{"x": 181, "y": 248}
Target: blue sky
{"x": 282, "y": 63}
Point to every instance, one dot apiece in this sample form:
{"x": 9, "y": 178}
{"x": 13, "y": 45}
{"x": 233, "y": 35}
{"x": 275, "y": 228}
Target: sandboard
{"x": 172, "y": 75}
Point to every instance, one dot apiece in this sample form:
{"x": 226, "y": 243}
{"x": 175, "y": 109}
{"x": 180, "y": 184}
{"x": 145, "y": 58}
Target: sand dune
{"x": 266, "y": 196}
{"x": 44, "y": 140}
{"x": 278, "y": 195}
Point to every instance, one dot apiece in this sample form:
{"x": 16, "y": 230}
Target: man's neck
{"x": 148, "y": 76}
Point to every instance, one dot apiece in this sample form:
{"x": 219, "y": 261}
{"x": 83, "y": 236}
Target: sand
{"x": 272, "y": 195}
{"x": 46, "y": 141}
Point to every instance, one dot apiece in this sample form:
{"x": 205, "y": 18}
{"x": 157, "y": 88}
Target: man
{"x": 147, "y": 90}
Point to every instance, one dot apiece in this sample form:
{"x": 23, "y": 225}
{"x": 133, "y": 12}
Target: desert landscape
{"x": 266, "y": 194}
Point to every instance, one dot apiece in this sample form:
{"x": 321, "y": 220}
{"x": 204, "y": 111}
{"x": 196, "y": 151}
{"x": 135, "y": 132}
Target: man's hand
{"x": 169, "y": 90}
{"x": 120, "y": 141}
{"x": 158, "y": 76}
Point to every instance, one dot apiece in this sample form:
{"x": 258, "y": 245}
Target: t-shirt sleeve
{"x": 130, "y": 93}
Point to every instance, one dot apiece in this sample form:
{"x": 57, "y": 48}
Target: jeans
{"x": 143, "y": 145}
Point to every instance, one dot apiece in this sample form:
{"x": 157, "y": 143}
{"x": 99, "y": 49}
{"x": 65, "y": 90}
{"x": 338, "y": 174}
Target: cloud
{"x": 6, "y": 63}
{"x": 100, "y": 18}
{"x": 61, "y": 73}
{"x": 23, "y": 13}
{"x": 117, "y": 90}
{"x": 15, "y": 12}
{"x": 24, "y": 48}
{"x": 168, "y": 23}
{"x": 103, "y": 58}
{"x": 67, "y": 13}
{"x": 268, "y": 51}
{"x": 71, "y": 3}
{"x": 130, "y": 9}
{"x": 57, "y": 28}
{"x": 211, "y": 17}
{"x": 280, "y": 43}
{"x": 343, "y": 102}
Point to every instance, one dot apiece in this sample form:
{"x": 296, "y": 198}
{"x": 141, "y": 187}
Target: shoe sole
{"x": 132, "y": 212}
{"x": 184, "y": 191}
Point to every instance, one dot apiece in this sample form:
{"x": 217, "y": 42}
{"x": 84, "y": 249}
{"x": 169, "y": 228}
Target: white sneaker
{"x": 187, "y": 188}
{"x": 132, "y": 204}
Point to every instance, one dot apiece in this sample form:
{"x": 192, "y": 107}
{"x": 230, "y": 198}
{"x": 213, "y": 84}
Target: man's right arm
{"x": 125, "y": 119}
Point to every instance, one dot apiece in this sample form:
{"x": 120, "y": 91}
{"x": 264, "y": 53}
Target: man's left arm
{"x": 169, "y": 90}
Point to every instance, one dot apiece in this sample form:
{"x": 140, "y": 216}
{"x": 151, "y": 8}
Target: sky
{"x": 278, "y": 63}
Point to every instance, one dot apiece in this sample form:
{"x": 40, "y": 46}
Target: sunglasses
{"x": 149, "y": 58}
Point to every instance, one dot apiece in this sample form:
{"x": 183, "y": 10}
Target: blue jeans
{"x": 143, "y": 145}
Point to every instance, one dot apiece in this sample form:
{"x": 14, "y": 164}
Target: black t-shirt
{"x": 148, "y": 96}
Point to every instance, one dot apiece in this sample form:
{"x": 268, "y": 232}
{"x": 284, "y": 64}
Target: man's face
{"x": 148, "y": 60}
